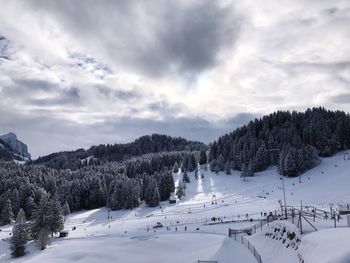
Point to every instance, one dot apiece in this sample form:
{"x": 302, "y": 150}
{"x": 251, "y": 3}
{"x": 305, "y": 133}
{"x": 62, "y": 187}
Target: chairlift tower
{"x": 284, "y": 198}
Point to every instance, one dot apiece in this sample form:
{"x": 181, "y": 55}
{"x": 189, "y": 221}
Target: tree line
{"x": 292, "y": 140}
{"x": 97, "y": 155}
{"x": 44, "y": 195}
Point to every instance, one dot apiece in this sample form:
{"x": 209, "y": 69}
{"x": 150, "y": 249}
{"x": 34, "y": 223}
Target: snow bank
{"x": 326, "y": 246}
{"x": 232, "y": 251}
{"x": 171, "y": 248}
{"x": 278, "y": 242}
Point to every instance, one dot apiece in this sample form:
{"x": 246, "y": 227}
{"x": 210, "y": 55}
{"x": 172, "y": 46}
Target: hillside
{"x": 154, "y": 143}
{"x": 291, "y": 140}
{"x": 125, "y": 233}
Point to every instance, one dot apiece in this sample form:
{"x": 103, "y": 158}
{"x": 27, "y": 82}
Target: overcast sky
{"x": 78, "y": 73}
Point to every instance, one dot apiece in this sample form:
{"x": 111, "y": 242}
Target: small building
{"x": 344, "y": 209}
{"x": 172, "y": 199}
{"x": 64, "y": 233}
{"x": 271, "y": 217}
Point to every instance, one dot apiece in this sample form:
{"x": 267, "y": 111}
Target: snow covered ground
{"x": 125, "y": 237}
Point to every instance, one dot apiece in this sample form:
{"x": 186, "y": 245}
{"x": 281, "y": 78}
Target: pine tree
{"x": 65, "y": 209}
{"x": 39, "y": 217}
{"x": 15, "y": 202}
{"x": 212, "y": 165}
{"x": 29, "y": 207}
{"x": 202, "y": 157}
{"x": 132, "y": 190}
{"x": 290, "y": 167}
{"x": 261, "y": 161}
{"x": 220, "y": 164}
{"x": 117, "y": 199}
{"x": 190, "y": 163}
{"x": 47, "y": 218}
{"x": 244, "y": 171}
{"x": 250, "y": 168}
{"x": 227, "y": 167}
{"x": 180, "y": 190}
{"x": 196, "y": 173}
{"x": 6, "y": 214}
{"x": 152, "y": 194}
{"x": 54, "y": 217}
{"x": 176, "y": 167}
{"x": 186, "y": 178}
{"x": 43, "y": 237}
{"x": 19, "y": 235}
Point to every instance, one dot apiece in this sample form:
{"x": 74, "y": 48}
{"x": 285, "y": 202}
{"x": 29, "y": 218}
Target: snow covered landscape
{"x": 184, "y": 131}
{"x": 129, "y": 234}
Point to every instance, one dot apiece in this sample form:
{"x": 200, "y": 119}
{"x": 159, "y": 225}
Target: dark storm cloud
{"x": 153, "y": 37}
{"x": 191, "y": 38}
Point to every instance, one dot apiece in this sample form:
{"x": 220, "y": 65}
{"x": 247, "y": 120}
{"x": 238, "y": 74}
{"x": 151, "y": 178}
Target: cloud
{"x": 45, "y": 132}
{"x": 91, "y": 72}
{"x": 341, "y": 98}
{"x": 165, "y": 38}
{"x": 34, "y": 85}
{"x": 69, "y": 96}
{"x": 125, "y": 95}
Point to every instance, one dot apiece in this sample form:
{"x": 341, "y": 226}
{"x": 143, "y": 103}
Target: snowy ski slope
{"x": 125, "y": 238}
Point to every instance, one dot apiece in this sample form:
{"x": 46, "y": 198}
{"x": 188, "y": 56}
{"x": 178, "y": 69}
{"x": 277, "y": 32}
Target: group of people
{"x": 169, "y": 229}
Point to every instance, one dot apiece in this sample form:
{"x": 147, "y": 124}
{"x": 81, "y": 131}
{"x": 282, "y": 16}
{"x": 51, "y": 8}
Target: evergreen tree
{"x": 15, "y": 202}
{"x": 220, "y": 164}
{"x": 54, "y": 216}
{"x": 290, "y": 166}
{"x": 261, "y": 161}
{"x": 19, "y": 235}
{"x": 152, "y": 194}
{"x": 176, "y": 167}
{"x": 186, "y": 178}
{"x": 196, "y": 173}
{"x": 180, "y": 189}
{"x": 43, "y": 237}
{"x": 212, "y": 165}
{"x": 6, "y": 214}
{"x": 244, "y": 171}
{"x": 39, "y": 217}
{"x": 250, "y": 168}
{"x": 190, "y": 163}
{"x": 29, "y": 207}
{"x": 132, "y": 193}
{"x": 202, "y": 157}
{"x": 227, "y": 167}
{"x": 65, "y": 209}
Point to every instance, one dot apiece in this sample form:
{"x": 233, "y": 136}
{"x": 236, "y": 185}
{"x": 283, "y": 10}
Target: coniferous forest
{"x": 292, "y": 140}
{"x": 122, "y": 176}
